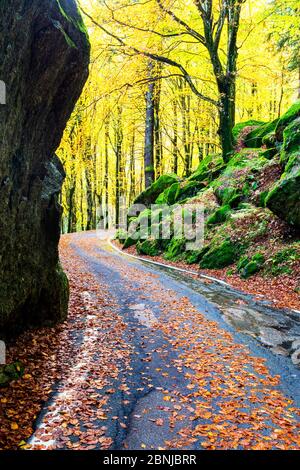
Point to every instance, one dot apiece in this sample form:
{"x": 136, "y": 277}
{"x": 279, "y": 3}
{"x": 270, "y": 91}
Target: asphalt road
{"x": 160, "y": 402}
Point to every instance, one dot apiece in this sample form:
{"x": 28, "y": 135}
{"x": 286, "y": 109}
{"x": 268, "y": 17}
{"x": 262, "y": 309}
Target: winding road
{"x": 170, "y": 361}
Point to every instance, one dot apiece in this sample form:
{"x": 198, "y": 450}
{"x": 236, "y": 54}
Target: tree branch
{"x": 156, "y": 57}
{"x": 144, "y": 30}
{"x": 190, "y": 30}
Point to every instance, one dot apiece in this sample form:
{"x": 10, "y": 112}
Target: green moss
{"x": 269, "y": 153}
{"x": 236, "y": 182}
{"x": 130, "y": 242}
{"x": 255, "y": 137}
{"x": 262, "y": 198}
{"x": 192, "y": 257}
{"x": 148, "y": 247}
{"x": 243, "y": 261}
{"x": 220, "y": 256}
{"x": 149, "y": 168}
{"x": 175, "y": 249}
{"x": 120, "y": 235}
{"x": 66, "y": 36}
{"x": 229, "y": 195}
{"x": 208, "y": 168}
{"x": 269, "y": 140}
{"x": 251, "y": 268}
{"x": 291, "y": 140}
{"x": 283, "y": 198}
{"x": 77, "y": 22}
{"x": 151, "y": 193}
{"x": 220, "y": 215}
{"x": 283, "y": 260}
{"x": 169, "y": 195}
{"x": 292, "y": 113}
{"x": 144, "y": 218}
{"x": 238, "y": 128}
{"x": 188, "y": 190}
{"x": 247, "y": 267}
{"x": 10, "y": 372}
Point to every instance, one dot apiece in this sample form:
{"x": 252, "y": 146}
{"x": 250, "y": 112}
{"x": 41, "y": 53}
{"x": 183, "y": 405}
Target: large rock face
{"x": 44, "y": 63}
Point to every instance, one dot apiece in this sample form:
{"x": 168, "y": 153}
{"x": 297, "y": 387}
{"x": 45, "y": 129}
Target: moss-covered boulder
{"x": 237, "y": 180}
{"x": 220, "y": 215}
{"x": 241, "y": 126}
{"x": 130, "y": 241}
{"x": 269, "y": 140}
{"x": 208, "y": 168}
{"x": 175, "y": 249}
{"x": 193, "y": 257}
{"x": 188, "y": 190}
{"x": 247, "y": 267}
{"x": 169, "y": 195}
{"x": 148, "y": 247}
{"x": 291, "y": 140}
{"x": 10, "y": 372}
{"x": 292, "y": 113}
{"x": 284, "y": 197}
{"x": 220, "y": 255}
{"x": 151, "y": 193}
{"x": 254, "y": 139}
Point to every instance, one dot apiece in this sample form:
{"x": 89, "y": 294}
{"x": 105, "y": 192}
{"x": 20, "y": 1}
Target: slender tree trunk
{"x": 106, "y": 168}
{"x": 118, "y": 154}
{"x": 70, "y": 212}
{"x": 175, "y": 137}
{"x": 149, "y": 133}
{"x": 90, "y": 201}
{"x": 157, "y": 131}
{"x": 132, "y": 168}
{"x": 185, "y": 101}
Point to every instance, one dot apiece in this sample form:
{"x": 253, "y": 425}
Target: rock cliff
{"x": 44, "y": 64}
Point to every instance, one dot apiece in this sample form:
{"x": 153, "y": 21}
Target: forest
{"x": 149, "y": 231}
{"x": 112, "y": 147}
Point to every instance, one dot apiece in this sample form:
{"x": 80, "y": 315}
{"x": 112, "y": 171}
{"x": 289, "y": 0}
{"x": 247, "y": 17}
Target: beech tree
{"x": 103, "y": 149}
{"x": 218, "y": 19}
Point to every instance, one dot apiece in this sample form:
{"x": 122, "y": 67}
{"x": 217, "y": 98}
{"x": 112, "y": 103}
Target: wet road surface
{"x": 192, "y": 377}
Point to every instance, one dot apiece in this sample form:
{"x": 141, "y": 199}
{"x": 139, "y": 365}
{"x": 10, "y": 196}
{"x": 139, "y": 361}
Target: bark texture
{"x": 44, "y": 63}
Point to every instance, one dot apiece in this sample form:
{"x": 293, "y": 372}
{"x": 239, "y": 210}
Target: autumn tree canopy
{"x": 168, "y": 80}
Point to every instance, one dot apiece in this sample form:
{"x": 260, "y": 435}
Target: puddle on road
{"x": 275, "y": 328}
{"x": 145, "y": 316}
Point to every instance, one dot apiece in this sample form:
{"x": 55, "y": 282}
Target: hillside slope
{"x": 251, "y": 206}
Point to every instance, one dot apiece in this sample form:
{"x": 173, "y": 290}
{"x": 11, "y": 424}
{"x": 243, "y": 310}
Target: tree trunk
{"x": 118, "y": 154}
{"x": 157, "y": 131}
{"x": 149, "y": 134}
{"x": 70, "y": 212}
{"x": 175, "y": 137}
{"x": 106, "y": 169}
{"x": 226, "y": 117}
{"x": 132, "y": 168}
